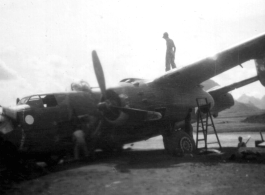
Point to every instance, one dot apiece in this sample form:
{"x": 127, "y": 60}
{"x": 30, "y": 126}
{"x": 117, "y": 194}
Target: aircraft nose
{"x": 6, "y": 125}
{"x": 2, "y": 118}
{"x": 10, "y": 113}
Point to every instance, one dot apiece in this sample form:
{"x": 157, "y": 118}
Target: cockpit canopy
{"x": 40, "y": 101}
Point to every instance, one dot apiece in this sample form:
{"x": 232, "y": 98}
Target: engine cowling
{"x": 107, "y": 107}
{"x": 222, "y": 102}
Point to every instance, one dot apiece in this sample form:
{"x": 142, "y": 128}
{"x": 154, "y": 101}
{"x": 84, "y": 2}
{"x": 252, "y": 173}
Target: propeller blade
{"x": 99, "y": 73}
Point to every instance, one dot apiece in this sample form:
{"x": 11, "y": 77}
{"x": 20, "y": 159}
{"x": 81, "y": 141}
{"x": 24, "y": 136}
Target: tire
{"x": 178, "y": 143}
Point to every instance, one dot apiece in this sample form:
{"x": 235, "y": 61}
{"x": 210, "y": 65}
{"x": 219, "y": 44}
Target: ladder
{"x": 204, "y": 121}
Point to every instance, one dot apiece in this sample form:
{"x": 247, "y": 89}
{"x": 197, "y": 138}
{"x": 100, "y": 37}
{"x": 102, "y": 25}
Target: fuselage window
{"x": 61, "y": 99}
{"x": 49, "y": 101}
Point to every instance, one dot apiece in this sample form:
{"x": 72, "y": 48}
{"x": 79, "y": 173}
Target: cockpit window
{"x": 23, "y": 101}
{"x": 49, "y": 101}
{"x": 35, "y": 101}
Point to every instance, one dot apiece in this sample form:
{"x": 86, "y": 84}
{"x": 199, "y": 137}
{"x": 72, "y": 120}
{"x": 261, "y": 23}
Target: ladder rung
{"x": 201, "y": 130}
{"x": 203, "y": 126}
{"x": 200, "y": 140}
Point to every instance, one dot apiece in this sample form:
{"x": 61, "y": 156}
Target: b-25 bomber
{"x": 41, "y": 126}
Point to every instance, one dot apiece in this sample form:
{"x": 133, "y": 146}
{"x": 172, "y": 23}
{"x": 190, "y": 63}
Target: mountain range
{"x": 241, "y": 109}
{"x": 259, "y": 103}
{"x": 244, "y": 105}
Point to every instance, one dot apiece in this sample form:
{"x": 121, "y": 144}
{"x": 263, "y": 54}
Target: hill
{"x": 255, "y": 119}
{"x": 260, "y": 103}
{"x": 241, "y": 109}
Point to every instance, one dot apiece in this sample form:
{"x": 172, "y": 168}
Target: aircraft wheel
{"x": 179, "y": 143}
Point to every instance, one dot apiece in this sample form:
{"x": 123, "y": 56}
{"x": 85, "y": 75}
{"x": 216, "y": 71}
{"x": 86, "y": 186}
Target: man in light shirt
{"x": 79, "y": 140}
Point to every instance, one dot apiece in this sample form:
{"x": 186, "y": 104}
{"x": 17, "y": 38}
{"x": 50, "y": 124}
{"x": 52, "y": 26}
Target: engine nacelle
{"x": 221, "y": 103}
{"x": 260, "y": 66}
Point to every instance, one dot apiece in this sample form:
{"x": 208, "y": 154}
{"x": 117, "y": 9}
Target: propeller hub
{"x": 102, "y": 106}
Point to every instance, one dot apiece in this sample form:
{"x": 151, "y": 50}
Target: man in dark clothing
{"x": 170, "y": 54}
{"x": 241, "y": 144}
{"x": 188, "y": 126}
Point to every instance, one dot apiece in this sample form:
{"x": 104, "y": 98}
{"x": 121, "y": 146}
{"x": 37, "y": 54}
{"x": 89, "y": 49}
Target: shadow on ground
{"x": 123, "y": 163}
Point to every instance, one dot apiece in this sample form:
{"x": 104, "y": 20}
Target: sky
{"x": 47, "y": 45}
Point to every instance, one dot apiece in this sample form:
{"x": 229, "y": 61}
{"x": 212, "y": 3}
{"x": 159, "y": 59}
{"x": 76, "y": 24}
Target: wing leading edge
{"x": 207, "y": 68}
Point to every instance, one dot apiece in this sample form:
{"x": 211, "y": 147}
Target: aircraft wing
{"x": 215, "y": 92}
{"x": 200, "y": 71}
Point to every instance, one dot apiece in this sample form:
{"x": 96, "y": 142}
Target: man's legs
{"x": 173, "y": 65}
{"x": 80, "y": 144}
{"x": 167, "y": 63}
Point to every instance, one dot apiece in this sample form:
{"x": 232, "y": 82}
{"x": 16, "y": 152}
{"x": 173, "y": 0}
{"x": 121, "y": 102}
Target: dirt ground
{"x": 145, "y": 168}
{"x": 145, "y": 172}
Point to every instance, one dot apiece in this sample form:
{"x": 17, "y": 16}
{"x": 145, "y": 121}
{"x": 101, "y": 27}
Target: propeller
{"x": 105, "y": 106}
{"x": 110, "y": 104}
{"x": 99, "y": 73}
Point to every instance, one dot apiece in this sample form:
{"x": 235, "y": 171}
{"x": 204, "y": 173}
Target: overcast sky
{"x": 45, "y": 45}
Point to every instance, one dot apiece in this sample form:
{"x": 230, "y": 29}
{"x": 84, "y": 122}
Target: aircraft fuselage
{"x": 45, "y": 124}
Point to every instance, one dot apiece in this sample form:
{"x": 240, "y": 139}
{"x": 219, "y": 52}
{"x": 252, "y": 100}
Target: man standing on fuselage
{"x": 170, "y": 54}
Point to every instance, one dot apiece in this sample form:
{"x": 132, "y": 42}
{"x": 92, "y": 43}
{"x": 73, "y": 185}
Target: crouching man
{"x": 80, "y": 145}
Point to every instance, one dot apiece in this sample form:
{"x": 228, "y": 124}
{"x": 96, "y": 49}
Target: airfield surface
{"x": 145, "y": 168}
